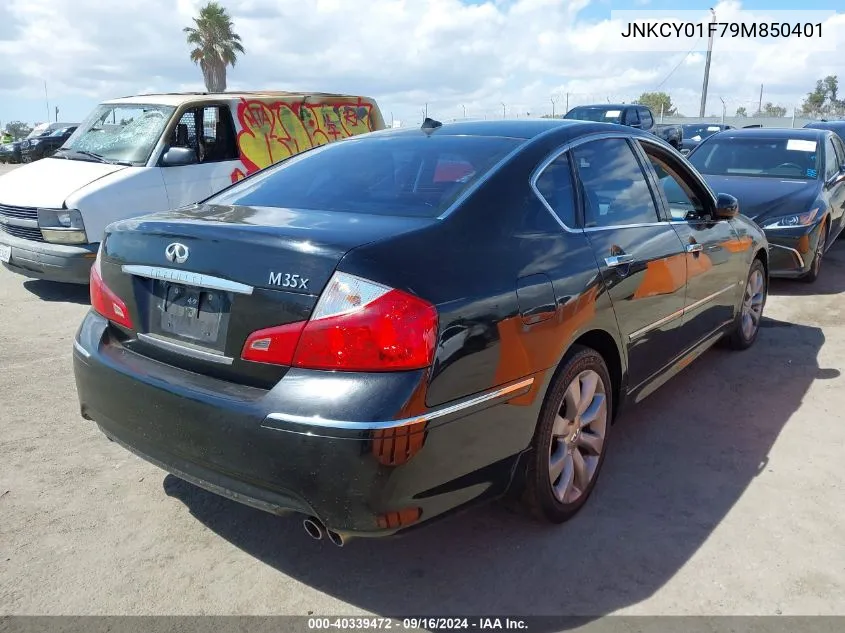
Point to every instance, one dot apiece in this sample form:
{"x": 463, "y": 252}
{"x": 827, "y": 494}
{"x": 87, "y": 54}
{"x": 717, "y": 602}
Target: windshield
{"x": 766, "y": 157}
{"x": 699, "y": 132}
{"x": 600, "y": 115}
{"x": 38, "y": 131}
{"x": 120, "y": 132}
{"x": 418, "y": 176}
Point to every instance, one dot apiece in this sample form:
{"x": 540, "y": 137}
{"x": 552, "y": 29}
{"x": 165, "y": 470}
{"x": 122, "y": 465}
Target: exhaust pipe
{"x": 335, "y": 538}
{"x": 313, "y": 528}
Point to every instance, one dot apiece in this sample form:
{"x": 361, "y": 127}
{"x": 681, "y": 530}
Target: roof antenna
{"x": 430, "y": 124}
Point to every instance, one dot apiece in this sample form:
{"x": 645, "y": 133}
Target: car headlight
{"x": 792, "y": 221}
{"x": 62, "y": 226}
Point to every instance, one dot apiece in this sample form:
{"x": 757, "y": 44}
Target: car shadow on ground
{"x": 52, "y": 291}
{"x": 677, "y": 463}
{"x": 831, "y": 279}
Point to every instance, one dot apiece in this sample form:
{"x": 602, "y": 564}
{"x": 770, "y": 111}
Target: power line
{"x": 678, "y": 65}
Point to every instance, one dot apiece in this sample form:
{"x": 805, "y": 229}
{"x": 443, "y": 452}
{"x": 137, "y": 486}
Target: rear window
{"x": 791, "y": 158}
{"x": 599, "y": 115}
{"x": 418, "y": 176}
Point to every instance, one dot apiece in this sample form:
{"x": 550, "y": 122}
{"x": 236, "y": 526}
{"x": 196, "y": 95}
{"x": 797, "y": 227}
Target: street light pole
{"x": 707, "y": 67}
{"x": 504, "y": 111}
{"x": 724, "y": 107}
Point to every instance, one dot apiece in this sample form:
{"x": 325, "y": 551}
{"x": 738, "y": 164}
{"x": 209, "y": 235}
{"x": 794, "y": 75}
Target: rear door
{"x": 834, "y": 185}
{"x": 640, "y": 256}
{"x": 717, "y": 260}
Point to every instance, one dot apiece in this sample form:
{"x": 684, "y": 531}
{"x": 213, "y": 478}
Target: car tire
{"x": 568, "y": 450}
{"x": 816, "y": 264}
{"x": 747, "y": 324}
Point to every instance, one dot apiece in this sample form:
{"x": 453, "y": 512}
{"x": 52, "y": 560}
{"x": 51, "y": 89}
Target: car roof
{"x": 810, "y": 134}
{"x": 825, "y": 125}
{"x": 179, "y": 98}
{"x": 526, "y": 129}
{"x": 609, "y": 106}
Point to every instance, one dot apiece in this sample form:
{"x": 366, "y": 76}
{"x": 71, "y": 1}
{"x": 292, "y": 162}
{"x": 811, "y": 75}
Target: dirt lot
{"x": 722, "y": 493}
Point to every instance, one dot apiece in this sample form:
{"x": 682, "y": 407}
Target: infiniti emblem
{"x": 176, "y": 252}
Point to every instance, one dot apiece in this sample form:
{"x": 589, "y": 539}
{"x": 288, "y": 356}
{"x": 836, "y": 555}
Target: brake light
{"x": 104, "y": 301}
{"x": 357, "y": 325}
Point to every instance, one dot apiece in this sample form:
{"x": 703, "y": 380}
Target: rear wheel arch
{"x": 602, "y": 342}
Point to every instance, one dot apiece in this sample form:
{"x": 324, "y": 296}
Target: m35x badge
{"x": 176, "y": 252}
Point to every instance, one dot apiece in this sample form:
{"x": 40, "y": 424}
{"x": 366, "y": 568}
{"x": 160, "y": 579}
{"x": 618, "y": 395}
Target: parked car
{"x": 694, "y": 133}
{"x": 637, "y": 116}
{"x": 12, "y": 152}
{"x": 833, "y": 126}
{"x": 143, "y": 154}
{"x": 790, "y": 181}
{"x": 43, "y": 146}
{"x": 294, "y": 342}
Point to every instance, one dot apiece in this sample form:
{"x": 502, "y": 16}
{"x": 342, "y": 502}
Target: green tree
{"x": 216, "y": 45}
{"x": 741, "y": 111}
{"x": 18, "y": 129}
{"x": 824, "y": 99}
{"x": 656, "y": 101}
{"x": 772, "y": 110}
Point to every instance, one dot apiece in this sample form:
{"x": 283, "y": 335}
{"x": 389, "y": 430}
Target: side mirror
{"x": 178, "y": 156}
{"x": 727, "y": 207}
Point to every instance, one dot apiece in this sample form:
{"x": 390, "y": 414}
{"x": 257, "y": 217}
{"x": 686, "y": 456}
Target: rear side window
{"x": 555, "y": 186}
{"x": 417, "y": 175}
{"x": 615, "y": 189}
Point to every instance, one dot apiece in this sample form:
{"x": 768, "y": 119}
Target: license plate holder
{"x": 189, "y": 313}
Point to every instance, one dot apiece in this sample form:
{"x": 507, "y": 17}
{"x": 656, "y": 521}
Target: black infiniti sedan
{"x": 790, "y": 181}
{"x": 33, "y": 149}
{"x": 382, "y": 329}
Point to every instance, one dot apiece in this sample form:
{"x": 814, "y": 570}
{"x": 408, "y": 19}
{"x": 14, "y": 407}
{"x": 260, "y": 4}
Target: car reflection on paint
{"x": 482, "y": 299}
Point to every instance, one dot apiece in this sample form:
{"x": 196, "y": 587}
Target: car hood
{"x": 764, "y": 198}
{"x": 48, "y": 182}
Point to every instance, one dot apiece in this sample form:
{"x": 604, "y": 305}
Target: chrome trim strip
{"x": 678, "y": 313}
{"x": 185, "y": 350}
{"x": 648, "y": 328}
{"x": 189, "y": 278}
{"x": 389, "y": 424}
{"x": 786, "y": 248}
{"x": 709, "y": 298}
{"x": 78, "y": 347}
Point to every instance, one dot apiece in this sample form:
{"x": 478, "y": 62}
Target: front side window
{"x": 831, "y": 161}
{"x": 410, "y": 175}
{"x": 633, "y": 117}
{"x": 615, "y": 189}
{"x": 790, "y": 158}
{"x": 124, "y": 133}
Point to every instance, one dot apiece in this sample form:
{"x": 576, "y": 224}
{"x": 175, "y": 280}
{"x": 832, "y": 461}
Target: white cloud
{"x": 403, "y": 52}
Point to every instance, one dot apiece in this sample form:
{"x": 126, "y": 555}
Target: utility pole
{"x": 662, "y": 105}
{"x": 707, "y": 67}
{"x": 47, "y": 100}
{"x": 57, "y": 114}
{"x": 504, "y": 111}
{"x": 465, "y": 110}
{"x": 567, "y": 103}
{"x": 425, "y": 112}
{"x": 724, "y": 107}
{"x": 760, "y": 103}
{"x": 553, "y": 106}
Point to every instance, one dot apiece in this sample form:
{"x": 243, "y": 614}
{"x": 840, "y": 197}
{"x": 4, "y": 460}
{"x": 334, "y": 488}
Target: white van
{"x": 151, "y": 153}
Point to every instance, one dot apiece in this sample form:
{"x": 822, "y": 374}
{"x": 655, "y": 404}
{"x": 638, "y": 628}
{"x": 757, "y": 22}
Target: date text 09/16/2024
{"x": 722, "y": 29}
{"x": 418, "y": 623}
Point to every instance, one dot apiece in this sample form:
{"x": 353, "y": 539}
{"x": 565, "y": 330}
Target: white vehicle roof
{"x": 178, "y": 98}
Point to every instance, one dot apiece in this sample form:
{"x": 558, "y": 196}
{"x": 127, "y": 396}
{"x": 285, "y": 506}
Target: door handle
{"x": 618, "y": 260}
{"x": 694, "y": 248}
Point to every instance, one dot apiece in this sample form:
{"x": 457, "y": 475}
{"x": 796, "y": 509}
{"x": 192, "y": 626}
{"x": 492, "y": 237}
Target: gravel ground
{"x": 723, "y": 493}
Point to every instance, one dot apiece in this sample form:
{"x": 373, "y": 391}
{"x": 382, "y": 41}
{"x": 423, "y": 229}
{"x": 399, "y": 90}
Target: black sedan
{"x": 790, "y": 181}
{"x": 33, "y": 149}
{"x": 694, "y": 133}
{"x": 383, "y": 329}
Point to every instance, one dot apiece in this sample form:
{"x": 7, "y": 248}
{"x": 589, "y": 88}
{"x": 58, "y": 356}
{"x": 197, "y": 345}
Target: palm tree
{"x": 216, "y": 45}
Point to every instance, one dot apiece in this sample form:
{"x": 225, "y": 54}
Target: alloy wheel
{"x": 752, "y": 303}
{"x": 578, "y": 436}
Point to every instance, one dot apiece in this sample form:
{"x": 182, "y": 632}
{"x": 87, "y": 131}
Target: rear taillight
{"x": 104, "y": 301}
{"x": 357, "y": 325}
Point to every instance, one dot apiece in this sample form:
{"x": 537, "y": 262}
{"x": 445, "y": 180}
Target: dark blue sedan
{"x": 790, "y": 181}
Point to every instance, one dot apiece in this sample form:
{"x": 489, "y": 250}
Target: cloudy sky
{"x": 454, "y": 55}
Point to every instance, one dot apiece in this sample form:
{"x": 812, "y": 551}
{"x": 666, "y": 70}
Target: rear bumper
{"x": 51, "y": 262}
{"x": 266, "y": 448}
